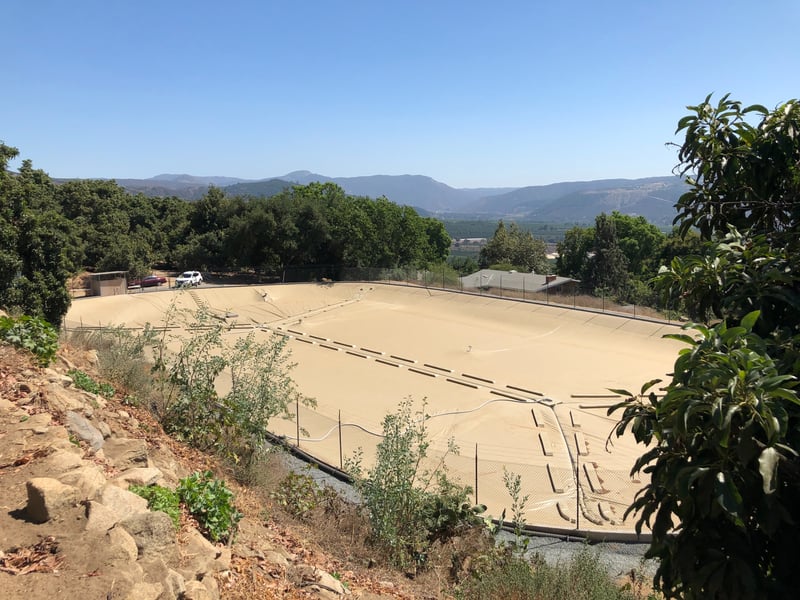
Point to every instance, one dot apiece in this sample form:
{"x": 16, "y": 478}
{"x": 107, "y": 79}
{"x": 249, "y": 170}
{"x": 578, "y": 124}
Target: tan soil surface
{"x": 526, "y": 385}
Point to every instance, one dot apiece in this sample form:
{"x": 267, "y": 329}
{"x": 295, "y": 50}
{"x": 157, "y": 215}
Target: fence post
{"x": 297, "y": 419}
{"x": 476, "y": 473}
{"x": 577, "y": 486}
{"x": 341, "y": 461}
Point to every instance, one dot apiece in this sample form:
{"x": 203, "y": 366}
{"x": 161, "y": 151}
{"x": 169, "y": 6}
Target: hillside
{"x": 653, "y": 198}
{"x": 70, "y": 528}
{"x": 563, "y": 202}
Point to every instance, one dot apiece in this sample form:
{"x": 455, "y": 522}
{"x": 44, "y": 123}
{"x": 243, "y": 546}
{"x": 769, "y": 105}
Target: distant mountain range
{"x": 568, "y": 202}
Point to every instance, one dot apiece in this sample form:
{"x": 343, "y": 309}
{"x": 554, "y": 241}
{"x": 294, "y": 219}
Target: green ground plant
{"x": 513, "y": 484}
{"x": 210, "y": 502}
{"x": 85, "y": 382}
{"x": 33, "y": 334}
{"x": 161, "y": 498}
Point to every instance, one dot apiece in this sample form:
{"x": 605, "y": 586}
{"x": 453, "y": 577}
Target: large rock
{"x": 48, "y": 498}
{"x": 138, "y": 476}
{"x": 172, "y": 582}
{"x": 120, "y": 539}
{"x": 93, "y": 400}
{"x": 196, "y": 591}
{"x": 145, "y": 591}
{"x": 126, "y": 453}
{"x": 54, "y": 376}
{"x": 323, "y": 584}
{"x": 99, "y": 517}
{"x": 211, "y": 585}
{"x": 122, "y": 502}
{"x": 62, "y": 461}
{"x": 153, "y": 533}
{"x": 198, "y": 555}
{"x": 62, "y": 400}
{"x": 104, "y": 428}
{"x": 175, "y": 583}
{"x": 38, "y": 424}
{"x": 82, "y": 428}
{"x": 89, "y": 480}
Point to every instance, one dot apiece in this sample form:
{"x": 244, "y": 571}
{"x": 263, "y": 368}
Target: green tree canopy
{"x": 511, "y": 245}
{"x": 723, "y": 500}
{"x": 36, "y": 243}
{"x": 574, "y": 252}
{"x": 607, "y": 268}
{"x": 640, "y": 241}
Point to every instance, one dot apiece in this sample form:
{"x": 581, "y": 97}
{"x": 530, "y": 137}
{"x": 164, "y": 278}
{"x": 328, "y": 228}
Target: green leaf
{"x": 749, "y": 320}
{"x": 649, "y": 384}
{"x": 680, "y": 337}
{"x": 754, "y": 108}
{"x": 786, "y": 395}
{"x": 728, "y": 497}
{"x": 768, "y": 467}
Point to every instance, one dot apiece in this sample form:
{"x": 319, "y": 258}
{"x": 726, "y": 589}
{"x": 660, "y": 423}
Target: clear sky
{"x": 473, "y": 94}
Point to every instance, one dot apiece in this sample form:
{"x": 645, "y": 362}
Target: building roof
{"x": 514, "y": 280}
{"x": 118, "y": 273}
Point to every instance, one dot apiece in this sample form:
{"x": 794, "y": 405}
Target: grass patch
{"x": 505, "y": 575}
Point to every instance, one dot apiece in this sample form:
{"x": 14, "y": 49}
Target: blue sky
{"x": 473, "y": 94}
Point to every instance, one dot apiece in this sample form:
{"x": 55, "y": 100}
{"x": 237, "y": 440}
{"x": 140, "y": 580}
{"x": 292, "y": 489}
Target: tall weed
{"x": 410, "y": 504}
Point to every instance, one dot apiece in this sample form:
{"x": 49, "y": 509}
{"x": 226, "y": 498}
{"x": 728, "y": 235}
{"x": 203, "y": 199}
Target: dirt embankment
{"x": 69, "y": 527}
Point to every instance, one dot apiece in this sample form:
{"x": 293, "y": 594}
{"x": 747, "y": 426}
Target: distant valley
{"x": 653, "y": 198}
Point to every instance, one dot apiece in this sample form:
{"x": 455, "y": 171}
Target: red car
{"x": 149, "y": 281}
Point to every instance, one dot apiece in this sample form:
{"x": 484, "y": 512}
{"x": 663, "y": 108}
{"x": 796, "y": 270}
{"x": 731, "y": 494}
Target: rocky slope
{"x": 69, "y": 526}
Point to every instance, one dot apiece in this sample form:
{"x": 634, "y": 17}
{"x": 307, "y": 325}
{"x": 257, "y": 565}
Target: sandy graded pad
{"x": 524, "y": 386}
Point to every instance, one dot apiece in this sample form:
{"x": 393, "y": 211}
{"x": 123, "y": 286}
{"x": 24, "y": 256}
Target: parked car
{"x": 148, "y": 281}
{"x": 189, "y": 278}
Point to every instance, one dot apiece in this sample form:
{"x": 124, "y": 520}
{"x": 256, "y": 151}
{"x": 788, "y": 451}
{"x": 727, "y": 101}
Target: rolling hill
{"x": 574, "y": 202}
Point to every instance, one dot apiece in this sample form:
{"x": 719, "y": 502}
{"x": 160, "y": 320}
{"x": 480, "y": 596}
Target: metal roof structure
{"x": 514, "y": 280}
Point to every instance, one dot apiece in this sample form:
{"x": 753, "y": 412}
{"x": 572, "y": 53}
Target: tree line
{"x": 50, "y": 231}
{"x": 620, "y": 255}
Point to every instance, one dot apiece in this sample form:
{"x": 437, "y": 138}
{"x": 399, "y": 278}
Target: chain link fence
{"x": 445, "y": 278}
{"x": 565, "y": 493}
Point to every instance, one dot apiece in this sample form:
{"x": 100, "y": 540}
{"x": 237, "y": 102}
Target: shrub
{"x": 121, "y": 356}
{"x": 506, "y": 575}
{"x": 298, "y": 494}
{"x": 235, "y": 424}
{"x": 513, "y": 483}
{"x": 161, "y": 498}
{"x": 31, "y": 333}
{"x": 209, "y": 501}
{"x": 410, "y": 506}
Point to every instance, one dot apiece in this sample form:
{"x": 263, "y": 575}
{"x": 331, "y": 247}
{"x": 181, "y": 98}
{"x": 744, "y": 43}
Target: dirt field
{"x": 523, "y": 386}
